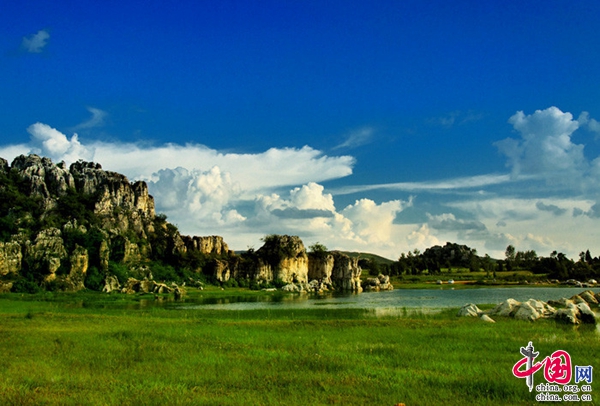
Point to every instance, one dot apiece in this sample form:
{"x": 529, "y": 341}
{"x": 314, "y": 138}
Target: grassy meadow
{"x": 93, "y": 349}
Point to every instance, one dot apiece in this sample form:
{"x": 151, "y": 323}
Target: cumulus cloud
{"x": 530, "y": 223}
{"x": 591, "y": 124}
{"x": 307, "y": 201}
{"x": 373, "y": 222}
{"x": 50, "y": 142}
{"x": 545, "y": 147}
{"x": 422, "y": 238}
{"x": 309, "y": 211}
{"x": 35, "y": 43}
{"x": 196, "y": 196}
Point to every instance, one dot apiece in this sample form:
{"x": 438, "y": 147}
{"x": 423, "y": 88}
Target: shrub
{"x": 25, "y": 285}
{"x": 231, "y": 283}
{"x": 119, "y": 270}
{"x": 162, "y": 272}
{"x": 94, "y": 279}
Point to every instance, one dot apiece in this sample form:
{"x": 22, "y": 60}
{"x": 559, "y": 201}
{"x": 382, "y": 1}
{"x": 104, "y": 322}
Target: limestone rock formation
{"x": 47, "y": 252}
{"x": 211, "y": 245}
{"x": 66, "y": 220}
{"x": 282, "y": 258}
{"x": 79, "y": 261}
{"x": 111, "y": 284}
{"x": 222, "y": 272}
{"x": 80, "y": 226}
{"x": 382, "y": 282}
{"x": 320, "y": 267}
{"x": 346, "y": 273}
{"x": 486, "y": 318}
{"x": 10, "y": 258}
{"x": 45, "y": 178}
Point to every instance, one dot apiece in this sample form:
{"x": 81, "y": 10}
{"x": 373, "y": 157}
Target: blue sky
{"x": 374, "y": 126}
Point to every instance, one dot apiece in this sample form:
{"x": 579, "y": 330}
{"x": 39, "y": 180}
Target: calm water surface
{"x": 438, "y": 298}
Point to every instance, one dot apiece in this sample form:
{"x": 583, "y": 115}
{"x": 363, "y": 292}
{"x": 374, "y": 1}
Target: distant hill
{"x": 368, "y": 256}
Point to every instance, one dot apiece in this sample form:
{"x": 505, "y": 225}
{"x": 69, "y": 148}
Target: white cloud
{"x": 309, "y": 212}
{"x": 527, "y": 224}
{"x": 196, "y": 197}
{"x": 50, "y": 142}
{"x": 422, "y": 238}
{"x": 274, "y": 168}
{"x": 311, "y": 196}
{"x": 591, "y": 124}
{"x": 371, "y": 221}
{"x": 545, "y": 146}
{"x": 477, "y": 181}
{"x": 35, "y": 43}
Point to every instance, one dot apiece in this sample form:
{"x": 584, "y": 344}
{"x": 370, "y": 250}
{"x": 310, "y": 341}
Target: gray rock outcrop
{"x": 576, "y": 310}
{"x": 382, "y": 282}
{"x": 469, "y": 310}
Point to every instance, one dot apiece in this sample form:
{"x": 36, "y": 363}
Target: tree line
{"x": 451, "y": 257}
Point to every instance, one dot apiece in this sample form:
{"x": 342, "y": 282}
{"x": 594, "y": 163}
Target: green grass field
{"x": 82, "y": 349}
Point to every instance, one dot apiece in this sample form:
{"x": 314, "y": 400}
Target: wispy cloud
{"x": 97, "y": 120}
{"x": 456, "y": 118}
{"x": 357, "y": 138}
{"x": 35, "y": 43}
{"x": 468, "y": 182}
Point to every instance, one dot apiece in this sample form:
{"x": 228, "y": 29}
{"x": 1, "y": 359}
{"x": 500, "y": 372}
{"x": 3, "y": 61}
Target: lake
{"x": 425, "y": 299}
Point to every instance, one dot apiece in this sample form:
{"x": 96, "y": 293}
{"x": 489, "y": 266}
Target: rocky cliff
{"x": 83, "y": 227}
{"x": 283, "y": 259}
{"x": 58, "y": 224}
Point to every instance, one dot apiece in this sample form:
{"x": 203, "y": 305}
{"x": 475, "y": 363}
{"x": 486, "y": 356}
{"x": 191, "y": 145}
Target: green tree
{"x": 317, "y": 247}
{"x": 510, "y": 253}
